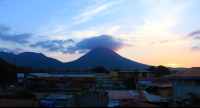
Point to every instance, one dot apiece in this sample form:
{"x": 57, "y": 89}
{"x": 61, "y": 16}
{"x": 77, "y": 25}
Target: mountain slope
{"x": 31, "y": 59}
{"x": 106, "y": 58}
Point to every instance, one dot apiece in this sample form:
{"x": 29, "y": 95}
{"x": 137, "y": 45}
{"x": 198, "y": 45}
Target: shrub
{"x": 24, "y": 94}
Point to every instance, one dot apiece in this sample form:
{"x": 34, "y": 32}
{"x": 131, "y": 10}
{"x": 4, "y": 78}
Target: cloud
{"x": 15, "y": 51}
{"x": 192, "y": 34}
{"x": 198, "y": 37}
{"x": 89, "y": 14}
{"x": 195, "y": 48}
{"x": 105, "y": 41}
{"x": 53, "y": 45}
{"x": 18, "y": 38}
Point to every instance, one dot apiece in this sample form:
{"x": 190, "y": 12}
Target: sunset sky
{"x": 152, "y": 32}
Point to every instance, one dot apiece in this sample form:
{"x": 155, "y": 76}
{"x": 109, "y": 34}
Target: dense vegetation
{"x": 9, "y": 71}
{"x": 24, "y": 94}
{"x": 159, "y": 71}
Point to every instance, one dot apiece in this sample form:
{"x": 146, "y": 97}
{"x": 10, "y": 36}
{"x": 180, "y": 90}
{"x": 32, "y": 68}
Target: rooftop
{"x": 59, "y": 96}
{"x": 136, "y": 104}
{"x": 140, "y": 95}
{"x": 194, "y": 71}
{"x": 102, "y": 76}
{"x": 120, "y": 95}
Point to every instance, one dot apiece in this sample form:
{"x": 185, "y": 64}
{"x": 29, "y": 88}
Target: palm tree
{"x": 192, "y": 100}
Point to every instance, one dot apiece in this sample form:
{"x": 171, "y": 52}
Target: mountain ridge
{"x": 107, "y": 58}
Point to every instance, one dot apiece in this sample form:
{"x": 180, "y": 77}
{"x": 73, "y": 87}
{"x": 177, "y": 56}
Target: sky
{"x": 152, "y": 32}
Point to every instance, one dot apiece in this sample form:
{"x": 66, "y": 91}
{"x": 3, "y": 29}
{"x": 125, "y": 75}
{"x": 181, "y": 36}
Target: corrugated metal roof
{"x": 61, "y": 75}
{"x": 136, "y": 104}
{"x": 102, "y": 76}
{"x": 59, "y": 96}
{"x": 194, "y": 71}
{"x": 164, "y": 86}
{"x": 120, "y": 95}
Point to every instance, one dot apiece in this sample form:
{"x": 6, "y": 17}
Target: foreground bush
{"x": 24, "y": 94}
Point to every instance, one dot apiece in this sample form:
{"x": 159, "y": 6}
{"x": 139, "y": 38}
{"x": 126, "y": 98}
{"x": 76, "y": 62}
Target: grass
{"x": 7, "y": 91}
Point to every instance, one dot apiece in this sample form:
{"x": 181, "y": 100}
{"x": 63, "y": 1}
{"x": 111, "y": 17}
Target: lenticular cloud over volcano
{"x": 105, "y": 41}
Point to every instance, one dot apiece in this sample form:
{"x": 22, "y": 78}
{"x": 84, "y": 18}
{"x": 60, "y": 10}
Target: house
{"x": 61, "y": 100}
{"x": 86, "y": 78}
{"x": 109, "y": 85}
{"x": 159, "y": 83}
{"x": 122, "y": 75}
{"x": 114, "y": 75}
{"x": 136, "y": 104}
{"x": 118, "y": 97}
{"x": 102, "y": 77}
{"x": 16, "y": 103}
{"x": 182, "y": 82}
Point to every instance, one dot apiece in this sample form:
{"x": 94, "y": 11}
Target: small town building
{"x": 86, "y": 79}
{"x": 109, "y": 85}
{"x": 102, "y": 77}
{"x": 117, "y": 97}
{"x": 160, "y": 84}
{"x": 122, "y": 75}
{"x": 138, "y": 95}
{"x": 182, "y": 82}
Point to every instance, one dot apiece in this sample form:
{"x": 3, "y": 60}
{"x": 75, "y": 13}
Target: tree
{"x": 68, "y": 70}
{"x": 161, "y": 71}
{"x": 192, "y": 100}
{"x": 130, "y": 83}
{"x": 152, "y": 68}
{"x": 24, "y": 94}
{"x": 100, "y": 69}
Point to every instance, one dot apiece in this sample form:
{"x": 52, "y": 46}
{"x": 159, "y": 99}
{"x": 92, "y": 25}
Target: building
{"x": 122, "y": 75}
{"x": 109, "y": 85}
{"x": 136, "y": 104}
{"x": 61, "y": 100}
{"x": 102, "y": 77}
{"x": 117, "y": 97}
{"x": 182, "y": 82}
{"x": 114, "y": 75}
{"x": 159, "y": 83}
{"x": 86, "y": 79}
{"x": 16, "y": 103}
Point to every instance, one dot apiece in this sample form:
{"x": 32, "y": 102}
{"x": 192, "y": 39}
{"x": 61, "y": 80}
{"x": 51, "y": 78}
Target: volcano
{"x": 107, "y": 58}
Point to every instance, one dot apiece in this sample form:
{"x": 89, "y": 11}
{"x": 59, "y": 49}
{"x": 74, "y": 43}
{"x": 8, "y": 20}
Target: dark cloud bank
{"x": 83, "y": 46}
{"x": 18, "y": 38}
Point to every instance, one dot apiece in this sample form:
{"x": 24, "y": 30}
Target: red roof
{"x": 136, "y": 104}
{"x": 14, "y": 102}
{"x": 102, "y": 76}
{"x": 164, "y": 86}
{"x": 120, "y": 95}
{"x": 194, "y": 71}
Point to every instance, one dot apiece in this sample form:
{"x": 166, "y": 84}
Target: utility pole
{"x": 64, "y": 83}
{"x": 5, "y": 79}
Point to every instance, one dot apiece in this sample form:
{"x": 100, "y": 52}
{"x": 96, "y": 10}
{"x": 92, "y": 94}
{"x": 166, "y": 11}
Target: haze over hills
{"x": 98, "y": 57}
